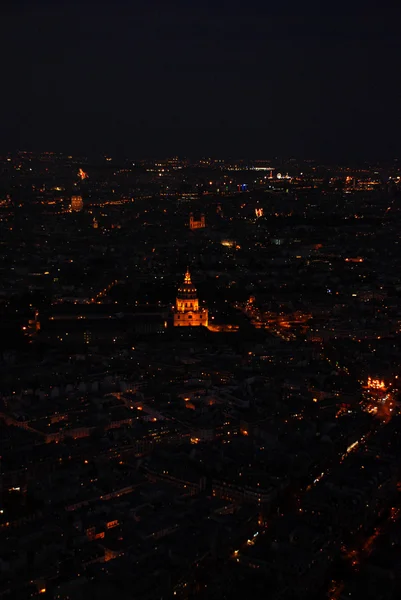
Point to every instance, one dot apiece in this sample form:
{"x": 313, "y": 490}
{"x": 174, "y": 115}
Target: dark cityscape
{"x": 200, "y": 300}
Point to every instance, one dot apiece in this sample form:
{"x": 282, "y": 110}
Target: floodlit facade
{"x": 187, "y": 312}
{"x": 77, "y": 203}
{"x": 197, "y": 224}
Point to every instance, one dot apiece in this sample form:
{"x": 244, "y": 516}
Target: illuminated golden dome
{"x": 187, "y": 312}
{"x": 187, "y": 289}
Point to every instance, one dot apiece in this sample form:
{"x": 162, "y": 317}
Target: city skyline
{"x": 200, "y": 378}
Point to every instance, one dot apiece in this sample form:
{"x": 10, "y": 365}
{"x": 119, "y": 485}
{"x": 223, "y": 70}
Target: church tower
{"x": 187, "y": 312}
{"x": 197, "y": 223}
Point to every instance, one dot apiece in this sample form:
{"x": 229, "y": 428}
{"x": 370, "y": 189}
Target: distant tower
{"x": 76, "y": 203}
{"x": 95, "y": 223}
{"x": 196, "y": 224}
{"x": 187, "y": 312}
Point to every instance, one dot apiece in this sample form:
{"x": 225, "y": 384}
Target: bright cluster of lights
{"x": 375, "y": 384}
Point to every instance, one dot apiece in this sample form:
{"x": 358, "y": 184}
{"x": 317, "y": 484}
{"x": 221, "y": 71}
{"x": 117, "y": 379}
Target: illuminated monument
{"x": 196, "y": 224}
{"x": 187, "y": 312}
{"x": 76, "y": 203}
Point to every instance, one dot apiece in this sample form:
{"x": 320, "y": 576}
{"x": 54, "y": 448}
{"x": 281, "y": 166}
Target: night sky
{"x": 251, "y": 79}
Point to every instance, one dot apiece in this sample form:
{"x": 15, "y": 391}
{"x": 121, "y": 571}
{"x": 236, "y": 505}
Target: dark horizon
{"x": 95, "y": 157}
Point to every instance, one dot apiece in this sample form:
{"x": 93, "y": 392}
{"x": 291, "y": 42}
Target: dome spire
{"x": 187, "y": 276}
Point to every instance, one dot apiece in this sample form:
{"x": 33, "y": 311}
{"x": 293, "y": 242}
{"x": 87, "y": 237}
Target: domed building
{"x": 187, "y": 312}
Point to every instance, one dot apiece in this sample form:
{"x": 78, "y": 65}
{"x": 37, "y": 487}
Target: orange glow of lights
{"x": 82, "y": 175}
{"x": 375, "y": 384}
